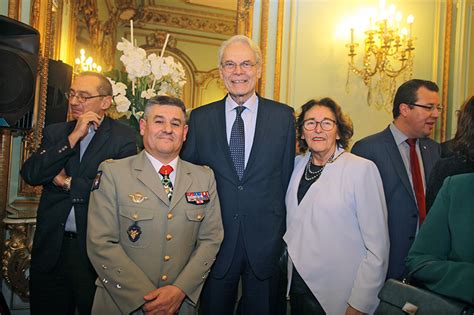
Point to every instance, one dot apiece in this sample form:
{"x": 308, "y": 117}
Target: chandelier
{"x": 84, "y": 63}
{"x": 388, "y": 55}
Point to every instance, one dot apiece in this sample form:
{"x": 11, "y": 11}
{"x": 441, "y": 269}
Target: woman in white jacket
{"x": 337, "y": 233}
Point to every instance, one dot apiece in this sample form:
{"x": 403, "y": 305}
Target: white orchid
{"x": 122, "y": 103}
{"x": 148, "y": 94}
{"x": 150, "y": 75}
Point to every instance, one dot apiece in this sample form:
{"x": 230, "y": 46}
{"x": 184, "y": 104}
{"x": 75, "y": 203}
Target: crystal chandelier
{"x": 84, "y": 63}
{"x": 388, "y": 55}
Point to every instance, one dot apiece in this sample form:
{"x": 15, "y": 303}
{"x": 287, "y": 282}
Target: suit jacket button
{"x": 170, "y": 216}
{"x": 240, "y": 187}
{"x": 169, "y": 237}
{"x": 166, "y": 258}
{"x": 164, "y": 277}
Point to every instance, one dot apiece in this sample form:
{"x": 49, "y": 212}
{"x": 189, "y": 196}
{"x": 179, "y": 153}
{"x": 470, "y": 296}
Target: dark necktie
{"x": 237, "y": 142}
{"x": 417, "y": 180}
{"x": 165, "y": 171}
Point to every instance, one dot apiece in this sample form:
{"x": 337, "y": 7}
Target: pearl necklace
{"x": 309, "y": 175}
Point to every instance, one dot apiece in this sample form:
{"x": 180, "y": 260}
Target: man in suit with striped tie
{"x": 249, "y": 142}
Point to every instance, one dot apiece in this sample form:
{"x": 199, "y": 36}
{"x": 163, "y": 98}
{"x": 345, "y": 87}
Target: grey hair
{"x": 240, "y": 39}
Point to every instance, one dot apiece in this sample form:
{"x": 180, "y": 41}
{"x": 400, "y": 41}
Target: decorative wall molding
{"x": 264, "y": 21}
{"x": 245, "y": 17}
{"x": 446, "y": 66}
{"x": 278, "y": 52}
{"x": 14, "y": 9}
{"x": 190, "y": 19}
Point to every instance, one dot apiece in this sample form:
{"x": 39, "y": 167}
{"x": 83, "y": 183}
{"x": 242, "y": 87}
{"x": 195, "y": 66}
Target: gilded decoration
{"x": 245, "y": 17}
{"x": 157, "y": 39}
{"x": 17, "y": 256}
{"x": 202, "y": 78}
{"x": 190, "y": 20}
{"x": 446, "y": 65}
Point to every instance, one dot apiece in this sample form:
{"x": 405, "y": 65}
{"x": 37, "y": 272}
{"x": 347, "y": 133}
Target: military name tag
{"x": 134, "y": 232}
{"x": 198, "y": 197}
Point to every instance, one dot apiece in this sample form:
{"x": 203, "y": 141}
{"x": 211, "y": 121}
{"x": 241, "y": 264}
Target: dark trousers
{"x": 69, "y": 286}
{"x": 259, "y": 296}
{"x": 302, "y": 300}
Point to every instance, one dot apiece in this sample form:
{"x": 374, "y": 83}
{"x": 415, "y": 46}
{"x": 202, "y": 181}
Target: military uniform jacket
{"x": 113, "y": 140}
{"x": 178, "y": 239}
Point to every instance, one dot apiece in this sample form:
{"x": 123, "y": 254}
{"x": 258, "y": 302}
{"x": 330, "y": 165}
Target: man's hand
{"x": 352, "y": 311}
{"x": 82, "y": 127}
{"x": 163, "y": 301}
{"x": 58, "y": 180}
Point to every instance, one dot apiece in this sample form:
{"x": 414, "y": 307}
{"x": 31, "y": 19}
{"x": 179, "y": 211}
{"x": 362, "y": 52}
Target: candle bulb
{"x": 410, "y": 20}
{"x": 131, "y": 31}
{"x": 352, "y": 36}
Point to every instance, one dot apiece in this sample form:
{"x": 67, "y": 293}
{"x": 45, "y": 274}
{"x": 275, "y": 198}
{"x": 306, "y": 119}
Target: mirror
{"x": 196, "y": 28}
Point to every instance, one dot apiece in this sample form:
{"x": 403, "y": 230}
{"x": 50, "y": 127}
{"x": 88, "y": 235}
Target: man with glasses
{"x": 249, "y": 142}
{"x": 61, "y": 276}
{"x": 405, "y": 156}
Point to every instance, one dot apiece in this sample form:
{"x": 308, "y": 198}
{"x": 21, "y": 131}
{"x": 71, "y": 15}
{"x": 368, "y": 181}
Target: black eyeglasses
{"x": 230, "y": 66}
{"x": 81, "y": 99}
{"x": 326, "y": 124}
{"x": 430, "y": 107}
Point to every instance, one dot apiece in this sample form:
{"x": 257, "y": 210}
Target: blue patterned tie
{"x": 237, "y": 142}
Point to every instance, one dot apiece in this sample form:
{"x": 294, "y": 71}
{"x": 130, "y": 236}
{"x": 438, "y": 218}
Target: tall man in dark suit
{"x": 405, "y": 156}
{"x": 249, "y": 142}
{"x": 61, "y": 276}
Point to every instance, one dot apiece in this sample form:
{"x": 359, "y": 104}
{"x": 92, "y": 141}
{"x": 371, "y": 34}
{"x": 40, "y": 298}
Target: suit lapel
{"x": 263, "y": 116}
{"x": 97, "y": 143}
{"x": 148, "y": 176}
{"x": 397, "y": 161}
{"x": 427, "y": 158}
{"x": 182, "y": 182}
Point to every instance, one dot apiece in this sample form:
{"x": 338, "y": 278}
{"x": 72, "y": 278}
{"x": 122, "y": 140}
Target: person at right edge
{"x": 249, "y": 142}
{"x": 461, "y": 159}
{"x": 442, "y": 256}
{"x": 405, "y": 156}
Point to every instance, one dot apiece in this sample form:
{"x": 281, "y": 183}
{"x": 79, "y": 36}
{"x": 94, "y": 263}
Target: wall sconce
{"x": 84, "y": 63}
{"x": 388, "y": 55}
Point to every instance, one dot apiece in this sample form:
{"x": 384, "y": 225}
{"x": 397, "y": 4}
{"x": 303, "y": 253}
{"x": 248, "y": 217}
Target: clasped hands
{"x": 163, "y": 301}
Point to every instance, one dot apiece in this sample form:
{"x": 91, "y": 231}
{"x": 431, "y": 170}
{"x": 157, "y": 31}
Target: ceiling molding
{"x": 193, "y": 20}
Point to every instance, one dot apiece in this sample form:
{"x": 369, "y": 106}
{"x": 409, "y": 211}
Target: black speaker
{"x": 59, "y": 82}
{"x": 19, "y": 47}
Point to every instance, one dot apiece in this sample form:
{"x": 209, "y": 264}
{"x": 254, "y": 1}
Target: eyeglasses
{"x": 230, "y": 66}
{"x": 81, "y": 99}
{"x": 430, "y": 107}
{"x": 326, "y": 124}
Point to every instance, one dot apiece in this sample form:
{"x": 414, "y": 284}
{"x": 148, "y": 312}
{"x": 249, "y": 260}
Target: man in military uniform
{"x": 154, "y": 222}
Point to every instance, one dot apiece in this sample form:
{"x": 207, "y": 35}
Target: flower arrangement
{"x": 147, "y": 76}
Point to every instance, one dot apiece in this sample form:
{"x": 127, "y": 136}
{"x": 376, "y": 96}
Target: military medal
{"x": 134, "y": 232}
{"x": 198, "y": 197}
